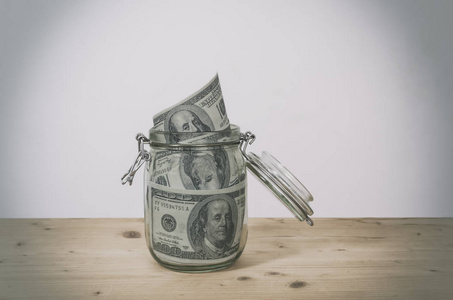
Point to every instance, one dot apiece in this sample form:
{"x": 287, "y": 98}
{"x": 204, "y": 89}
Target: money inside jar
{"x": 202, "y": 188}
{"x": 196, "y": 184}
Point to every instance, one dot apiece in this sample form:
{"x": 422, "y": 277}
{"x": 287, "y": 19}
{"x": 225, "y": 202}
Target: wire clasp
{"x": 142, "y": 156}
{"x": 246, "y": 139}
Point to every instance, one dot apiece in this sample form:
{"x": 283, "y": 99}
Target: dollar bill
{"x": 196, "y": 227}
{"x": 209, "y": 137}
{"x": 212, "y": 168}
{"x": 203, "y": 111}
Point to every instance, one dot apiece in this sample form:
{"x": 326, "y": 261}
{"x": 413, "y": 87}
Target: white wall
{"x": 354, "y": 96}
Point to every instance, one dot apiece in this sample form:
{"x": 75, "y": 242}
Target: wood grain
{"x": 283, "y": 259}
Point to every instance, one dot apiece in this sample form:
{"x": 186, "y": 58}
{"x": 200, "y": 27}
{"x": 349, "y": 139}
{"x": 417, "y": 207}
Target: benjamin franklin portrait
{"x": 205, "y": 170}
{"x": 186, "y": 119}
{"x": 212, "y": 231}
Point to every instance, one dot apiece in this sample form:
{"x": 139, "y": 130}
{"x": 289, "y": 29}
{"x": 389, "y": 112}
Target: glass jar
{"x": 195, "y": 199}
{"x": 196, "y": 195}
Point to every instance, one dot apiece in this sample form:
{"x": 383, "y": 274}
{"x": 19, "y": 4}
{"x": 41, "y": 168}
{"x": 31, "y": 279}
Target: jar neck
{"x": 229, "y": 136}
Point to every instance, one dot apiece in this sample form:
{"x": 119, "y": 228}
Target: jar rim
{"x": 231, "y": 135}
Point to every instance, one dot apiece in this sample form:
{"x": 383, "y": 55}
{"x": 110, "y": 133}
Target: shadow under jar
{"x": 196, "y": 199}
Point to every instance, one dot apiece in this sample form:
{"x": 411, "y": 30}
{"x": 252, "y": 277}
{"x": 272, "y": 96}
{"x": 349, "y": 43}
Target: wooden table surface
{"x": 283, "y": 259}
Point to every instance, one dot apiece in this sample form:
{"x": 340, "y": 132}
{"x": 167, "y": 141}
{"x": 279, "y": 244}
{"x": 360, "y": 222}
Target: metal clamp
{"x": 142, "y": 156}
{"x": 246, "y": 139}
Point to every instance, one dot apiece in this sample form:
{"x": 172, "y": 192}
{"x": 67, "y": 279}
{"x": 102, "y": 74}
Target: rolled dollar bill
{"x": 184, "y": 227}
{"x": 212, "y": 168}
{"x": 203, "y": 111}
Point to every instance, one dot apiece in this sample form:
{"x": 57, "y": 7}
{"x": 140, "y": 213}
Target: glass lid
{"x": 285, "y": 186}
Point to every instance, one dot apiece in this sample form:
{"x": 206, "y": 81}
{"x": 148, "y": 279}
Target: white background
{"x": 355, "y": 97}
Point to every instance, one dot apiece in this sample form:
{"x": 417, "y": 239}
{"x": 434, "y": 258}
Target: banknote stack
{"x": 197, "y": 195}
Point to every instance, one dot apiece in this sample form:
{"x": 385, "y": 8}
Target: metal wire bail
{"x": 142, "y": 156}
{"x": 246, "y": 139}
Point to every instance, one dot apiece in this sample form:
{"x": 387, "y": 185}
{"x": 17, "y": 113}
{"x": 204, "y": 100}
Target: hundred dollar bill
{"x": 201, "y": 112}
{"x": 209, "y": 137}
{"x": 212, "y": 168}
{"x": 196, "y": 227}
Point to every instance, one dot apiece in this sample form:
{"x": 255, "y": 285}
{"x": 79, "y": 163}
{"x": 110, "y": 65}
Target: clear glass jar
{"x": 195, "y": 199}
{"x": 196, "y": 195}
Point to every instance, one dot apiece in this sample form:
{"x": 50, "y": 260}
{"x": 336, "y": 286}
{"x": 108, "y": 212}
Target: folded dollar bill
{"x": 203, "y": 111}
{"x": 208, "y": 169}
{"x": 179, "y": 230}
{"x": 212, "y": 168}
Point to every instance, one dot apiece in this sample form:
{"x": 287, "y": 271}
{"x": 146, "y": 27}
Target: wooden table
{"x": 283, "y": 259}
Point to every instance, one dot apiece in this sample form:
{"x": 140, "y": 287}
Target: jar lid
{"x": 282, "y": 183}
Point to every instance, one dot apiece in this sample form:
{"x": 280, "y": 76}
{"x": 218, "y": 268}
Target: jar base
{"x": 197, "y": 269}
